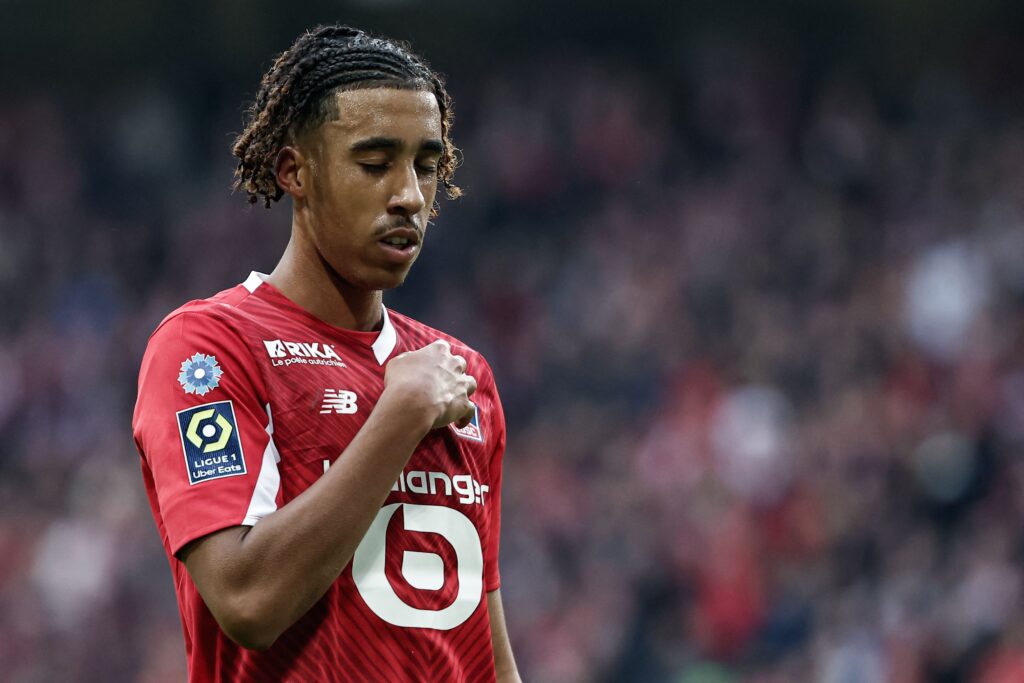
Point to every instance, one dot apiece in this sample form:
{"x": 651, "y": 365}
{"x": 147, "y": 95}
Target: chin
{"x": 389, "y": 280}
{"x": 371, "y": 278}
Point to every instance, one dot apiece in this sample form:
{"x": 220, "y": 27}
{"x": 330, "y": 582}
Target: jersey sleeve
{"x": 496, "y": 425}
{"x": 203, "y": 430}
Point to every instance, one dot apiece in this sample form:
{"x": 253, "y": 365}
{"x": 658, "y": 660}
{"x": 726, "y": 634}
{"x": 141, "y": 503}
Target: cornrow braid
{"x": 297, "y": 94}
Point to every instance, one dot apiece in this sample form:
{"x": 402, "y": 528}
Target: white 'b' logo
{"x": 424, "y": 571}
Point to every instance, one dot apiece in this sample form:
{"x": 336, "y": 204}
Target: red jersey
{"x": 245, "y": 399}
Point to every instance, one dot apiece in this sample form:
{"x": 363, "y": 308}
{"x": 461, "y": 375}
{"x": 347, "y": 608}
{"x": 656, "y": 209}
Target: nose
{"x": 406, "y": 196}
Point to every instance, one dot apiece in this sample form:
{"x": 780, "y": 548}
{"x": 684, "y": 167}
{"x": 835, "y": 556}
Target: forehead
{"x": 386, "y": 112}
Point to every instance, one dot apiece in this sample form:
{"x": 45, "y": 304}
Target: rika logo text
{"x": 283, "y": 353}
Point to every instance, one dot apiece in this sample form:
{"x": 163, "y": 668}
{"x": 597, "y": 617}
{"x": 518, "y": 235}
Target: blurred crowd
{"x": 759, "y": 335}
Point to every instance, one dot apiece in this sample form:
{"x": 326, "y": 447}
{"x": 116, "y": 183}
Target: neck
{"x": 310, "y": 282}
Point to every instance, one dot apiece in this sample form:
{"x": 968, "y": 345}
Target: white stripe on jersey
{"x": 264, "y": 496}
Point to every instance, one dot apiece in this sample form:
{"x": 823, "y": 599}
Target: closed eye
{"x": 375, "y": 169}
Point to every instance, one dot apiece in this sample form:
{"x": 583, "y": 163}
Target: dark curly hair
{"x": 297, "y": 95}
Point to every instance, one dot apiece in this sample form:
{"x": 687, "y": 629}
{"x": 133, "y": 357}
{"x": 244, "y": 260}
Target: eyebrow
{"x": 395, "y": 144}
{"x": 432, "y": 145}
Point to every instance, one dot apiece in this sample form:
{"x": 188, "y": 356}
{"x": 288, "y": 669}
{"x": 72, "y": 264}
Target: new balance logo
{"x": 339, "y": 401}
{"x": 284, "y": 353}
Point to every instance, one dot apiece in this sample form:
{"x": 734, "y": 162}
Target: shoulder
{"x": 224, "y": 319}
{"x": 201, "y": 351}
{"x": 205, "y": 338}
{"x": 221, "y": 308}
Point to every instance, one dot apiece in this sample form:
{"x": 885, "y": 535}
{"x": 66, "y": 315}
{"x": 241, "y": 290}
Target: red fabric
{"x": 342, "y": 638}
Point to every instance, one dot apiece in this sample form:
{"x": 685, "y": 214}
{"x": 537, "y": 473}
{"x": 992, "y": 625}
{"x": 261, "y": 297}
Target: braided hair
{"x": 297, "y": 95}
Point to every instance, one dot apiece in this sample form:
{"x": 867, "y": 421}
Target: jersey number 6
{"x": 424, "y": 571}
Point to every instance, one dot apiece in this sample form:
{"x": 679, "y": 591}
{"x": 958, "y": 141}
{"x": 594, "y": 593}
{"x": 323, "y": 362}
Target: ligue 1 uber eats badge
{"x": 209, "y": 437}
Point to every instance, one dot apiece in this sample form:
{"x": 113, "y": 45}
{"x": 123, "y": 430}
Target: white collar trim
{"x": 382, "y": 346}
{"x": 253, "y": 281}
{"x": 386, "y": 340}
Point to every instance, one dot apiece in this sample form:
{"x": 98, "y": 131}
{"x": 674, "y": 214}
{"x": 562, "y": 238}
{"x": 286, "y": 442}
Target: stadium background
{"x": 751, "y": 276}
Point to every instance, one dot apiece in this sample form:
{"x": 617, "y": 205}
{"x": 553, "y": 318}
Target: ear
{"x": 292, "y": 172}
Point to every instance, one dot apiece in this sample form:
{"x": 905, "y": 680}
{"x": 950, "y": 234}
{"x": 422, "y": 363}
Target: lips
{"x": 401, "y": 238}
{"x": 400, "y": 245}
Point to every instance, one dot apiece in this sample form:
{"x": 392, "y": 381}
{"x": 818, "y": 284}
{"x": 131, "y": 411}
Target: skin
{"x": 350, "y": 180}
{"x": 345, "y": 198}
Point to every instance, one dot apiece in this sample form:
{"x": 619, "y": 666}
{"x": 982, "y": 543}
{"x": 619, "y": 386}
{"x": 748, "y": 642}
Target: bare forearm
{"x": 317, "y": 532}
{"x": 275, "y": 571}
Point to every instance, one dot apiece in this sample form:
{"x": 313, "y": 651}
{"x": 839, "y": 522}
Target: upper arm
{"x": 202, "y": 438}
{"x": 216, "y": 566}
{"x": 504, "y": 661}
{"x": 209, "y": 560}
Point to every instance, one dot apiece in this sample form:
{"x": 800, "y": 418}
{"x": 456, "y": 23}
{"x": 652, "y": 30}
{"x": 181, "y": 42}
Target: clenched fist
{"x": 433, "y": 379}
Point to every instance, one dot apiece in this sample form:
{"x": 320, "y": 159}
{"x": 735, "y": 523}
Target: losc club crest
{"x": 472, "y": 430}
